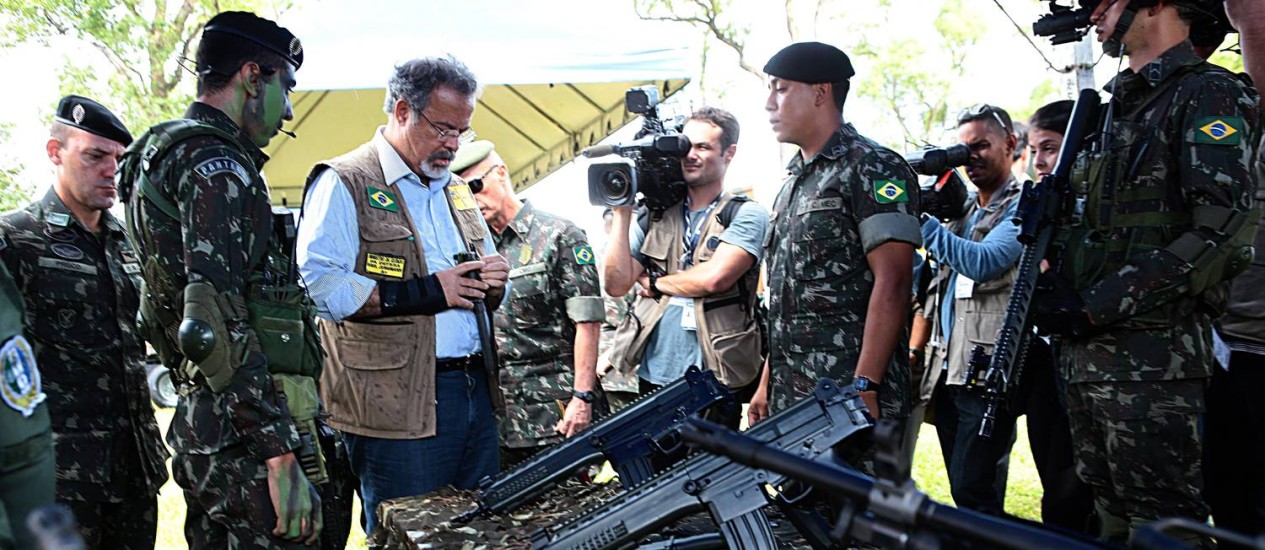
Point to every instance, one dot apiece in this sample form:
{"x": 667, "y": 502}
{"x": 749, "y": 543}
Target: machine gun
{"x": 1043, "y": 207}
{"x": 732, "y": 493}
{"x": 627, "y": 439}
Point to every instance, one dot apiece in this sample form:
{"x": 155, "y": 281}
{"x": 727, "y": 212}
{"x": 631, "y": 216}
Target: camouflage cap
{"x": 92, "y": 117}
{"x": 471, "y": 154}
{"x": 811, "y": 63}
{"x": 261, "y": 31}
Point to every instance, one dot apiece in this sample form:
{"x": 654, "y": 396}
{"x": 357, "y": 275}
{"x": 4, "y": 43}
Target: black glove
{"x": 1059, "y": 309}
{"x": 417, "y": 296}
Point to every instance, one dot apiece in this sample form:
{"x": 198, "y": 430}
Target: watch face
{"x": 861, "y": 383}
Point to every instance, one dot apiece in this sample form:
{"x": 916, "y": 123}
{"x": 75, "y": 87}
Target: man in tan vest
{"x": 699, "y": 268}
{"x": 404, "y": 376}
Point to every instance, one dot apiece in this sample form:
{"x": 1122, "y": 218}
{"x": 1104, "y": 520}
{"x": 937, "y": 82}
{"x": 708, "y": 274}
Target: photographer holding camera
{"x": 698, "y": 265}
{"x": 976, "y": 256}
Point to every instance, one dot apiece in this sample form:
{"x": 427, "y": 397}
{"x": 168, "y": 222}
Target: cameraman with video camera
{"x": 698, "y": 265}
{"x": 976, "y": 255}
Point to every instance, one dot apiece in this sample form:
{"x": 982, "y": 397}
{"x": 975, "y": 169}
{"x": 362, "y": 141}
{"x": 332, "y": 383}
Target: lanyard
{"x": 691, "y": 235}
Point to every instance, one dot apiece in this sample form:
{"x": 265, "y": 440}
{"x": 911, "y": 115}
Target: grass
{"x": 1023, "y": 491}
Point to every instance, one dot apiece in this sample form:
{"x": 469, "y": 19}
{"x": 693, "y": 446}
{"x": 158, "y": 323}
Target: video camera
{"x": 652, "y": 161}
{"x": 946, "y": 196}
{"x": 1068, "y": 24}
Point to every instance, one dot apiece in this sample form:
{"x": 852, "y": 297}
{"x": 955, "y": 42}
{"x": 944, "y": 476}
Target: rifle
{"x": 1043, "y": 208}
{"x": 732, "y": 493}
{"x": 627, "y": 439}
{"x": 887, "y": 513}
{"x": 482, "y": 318}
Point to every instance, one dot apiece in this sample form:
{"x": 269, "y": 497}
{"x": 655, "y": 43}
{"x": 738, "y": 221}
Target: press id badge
{"x": 963, "y": 287}
{"x": 688, "y": 322}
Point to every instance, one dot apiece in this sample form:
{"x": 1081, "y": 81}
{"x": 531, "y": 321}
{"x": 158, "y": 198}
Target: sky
{"x": 494, "y": 36}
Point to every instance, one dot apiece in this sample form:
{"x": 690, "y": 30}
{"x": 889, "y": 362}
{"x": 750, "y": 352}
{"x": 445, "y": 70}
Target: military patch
{"x": 61, "y": 236}
{"x": 461, "y": 197}
{"x": 383, "y": 200}
{"x": 713, "y": 243}
{"x": 19, "y": 378}
{"x": 222, "y": 165}
{"x": 66, "y": 318}
{"x": 531, "y": 269}
{"x": 385, "y": 264}
{"x": 832, "y": 203}
{"x": 59, "y": 219}
{"x": 524, "y": 255}
{"x": 1226, "y": 130}
{"x": 132, "y": 268}
{"x": 68, "y": 251}
{"x": 583, "y": 255}
{"x": 890, "y": 191}
{"x": 77, "y": 113}
{"x": 54, "y": 263}
{"x": 296, "y": 47}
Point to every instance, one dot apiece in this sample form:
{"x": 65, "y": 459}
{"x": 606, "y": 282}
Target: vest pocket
{"x": 380, "y": 352}
{"x": 739, "y": 355}
{"x": 820, "y": 249}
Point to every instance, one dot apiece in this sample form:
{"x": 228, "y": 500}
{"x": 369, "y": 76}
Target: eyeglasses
{"x": 476, "y": 184}
{"x": 981, "y": 111}
{"x": 462, "y": 136}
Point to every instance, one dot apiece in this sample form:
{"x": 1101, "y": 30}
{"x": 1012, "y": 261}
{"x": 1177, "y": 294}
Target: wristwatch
{"x": 585, "y": 396}
{"x": 862, "y": 384}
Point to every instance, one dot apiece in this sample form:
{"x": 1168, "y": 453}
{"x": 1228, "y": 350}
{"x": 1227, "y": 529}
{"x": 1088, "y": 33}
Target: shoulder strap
{"x": 160, "y": 138}
{"x": 726, "y": 215}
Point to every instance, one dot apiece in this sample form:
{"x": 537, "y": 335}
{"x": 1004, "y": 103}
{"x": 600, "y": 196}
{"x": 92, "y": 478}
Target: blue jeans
{"x": 977, "y": 466}
{"x": 462, "y": 451}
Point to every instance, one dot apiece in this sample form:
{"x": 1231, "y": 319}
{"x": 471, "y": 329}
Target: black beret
{"x": 810, "y": 62}
{"x": 92, "y": 117}
{"x": 261, "y": 31}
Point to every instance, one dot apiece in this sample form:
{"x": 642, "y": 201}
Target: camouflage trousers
{"x": 132, "y": 523}
{"x": 1138, "y": 445}
{"x": 227, "y": 501}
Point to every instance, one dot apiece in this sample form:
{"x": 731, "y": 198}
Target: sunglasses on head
{"x": 981, "y": 111}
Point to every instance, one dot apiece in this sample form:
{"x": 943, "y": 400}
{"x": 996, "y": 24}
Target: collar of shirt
{"x": 53, "y": 211}
{"x": 1155, "y": 72}
{"x": 834, "y": 148}
{"x": 395, "y": 169}
{"x": 202, "y": 112}
{"x": 522, "y": 222}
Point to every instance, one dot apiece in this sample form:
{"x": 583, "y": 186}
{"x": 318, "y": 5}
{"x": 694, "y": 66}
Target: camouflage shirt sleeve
{"x": 885, "y": 199}
{"x": 575, "y": 276}
{"x": 215, "y": 200}
{"x": 1210, "y": 174}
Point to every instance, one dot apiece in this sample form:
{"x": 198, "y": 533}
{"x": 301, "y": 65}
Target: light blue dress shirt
{"x": 981, "y": 261}
{"x": 329, "y": 242}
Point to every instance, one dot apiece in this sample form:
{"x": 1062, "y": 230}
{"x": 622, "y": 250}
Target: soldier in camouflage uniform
{"x": 1163, "y": 217}
{"x": 547, "y": 333}
{"x": 200, "y": 215}
{"x": 73, "y": 263}
{"x": 26, "y": 441}
{"x": 841, "y": 246}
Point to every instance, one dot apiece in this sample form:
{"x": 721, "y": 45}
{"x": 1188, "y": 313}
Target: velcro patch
{"x": 462, "y": 199}
{"x": 385, "y": 264}
{"x": 55, "y": 263}
{"x": 132, "y": 268}
{"x": 1224, "y": 130}
{"x": 19, "y": 378}
{"x": 832, "y": 203}
{"x": 382, "y": 200}
{"x": 222, "y": 165}
{"x": 890, "y": 191}
{"x": 583, "y": 255}
{"x": 530, "y": 269}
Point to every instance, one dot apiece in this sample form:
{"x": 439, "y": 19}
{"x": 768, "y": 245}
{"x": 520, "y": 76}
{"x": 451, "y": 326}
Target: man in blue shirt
{"x": 699, "y": 273}
{"x": 404, "y": 375}
{"x": 976, "y": 257}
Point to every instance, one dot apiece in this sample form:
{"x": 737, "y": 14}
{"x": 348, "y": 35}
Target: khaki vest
{"x": 726, "y": 322}
{"x": 978, "y": 319}
{"x": 379, "y": 375}
{"x": 1244, "y": 319}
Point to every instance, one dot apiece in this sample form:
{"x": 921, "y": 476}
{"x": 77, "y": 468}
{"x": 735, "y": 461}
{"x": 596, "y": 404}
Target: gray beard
{"x": 431, "y": 171}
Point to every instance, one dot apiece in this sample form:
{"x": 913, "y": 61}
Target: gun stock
{"x": 627, "y": 439}
{"x": 1043, "y": 208}
{"x": 731, "y": 493}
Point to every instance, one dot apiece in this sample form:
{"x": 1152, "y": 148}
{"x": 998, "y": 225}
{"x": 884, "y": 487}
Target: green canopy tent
{"x": 553, "y": 82}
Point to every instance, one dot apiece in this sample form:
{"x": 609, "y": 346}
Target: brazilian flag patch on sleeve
{"x": 583, "y": 255}
{"x": 1218, "y": 130}
{"x": 382, "y": 200}
{"x": 890, "y": 191}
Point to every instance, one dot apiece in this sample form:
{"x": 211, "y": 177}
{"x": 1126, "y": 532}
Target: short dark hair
{"x": 1052, "y": 116}
{"x": 839, "y": 92}
{"x": 414, "y": 81}
{"x": 220, "y": 55}
{"x": 723, "y": 119}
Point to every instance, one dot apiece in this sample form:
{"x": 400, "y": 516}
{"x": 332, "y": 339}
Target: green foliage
{"x": 143, "y": 42}
{"x": 1230, "y": 60}
{"x": 13, "y": 192}
{"x": 711, "y": 16}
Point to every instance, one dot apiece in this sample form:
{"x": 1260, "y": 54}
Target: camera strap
{"x": 689, "y": 237}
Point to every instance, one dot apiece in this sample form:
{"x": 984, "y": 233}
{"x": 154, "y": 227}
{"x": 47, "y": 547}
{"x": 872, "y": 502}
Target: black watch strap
{"x": 585, "y": 396}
